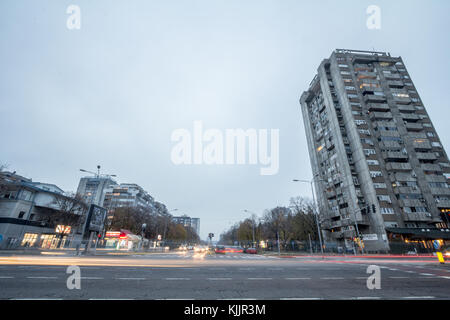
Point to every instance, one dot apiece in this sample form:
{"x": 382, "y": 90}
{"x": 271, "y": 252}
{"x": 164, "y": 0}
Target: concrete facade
{"x": 377, "y": 160}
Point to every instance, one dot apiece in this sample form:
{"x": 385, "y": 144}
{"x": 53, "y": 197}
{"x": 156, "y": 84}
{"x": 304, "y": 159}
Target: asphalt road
{"x": 231, "y": 276}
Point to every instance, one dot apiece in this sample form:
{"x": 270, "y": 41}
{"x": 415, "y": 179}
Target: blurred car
{"x": 446, "y": 252}
{"x": 220, "y": 250}
{"x": 250, "y": 250}
{"x": 234, "y": 249}
{"x": 200, "y": 249}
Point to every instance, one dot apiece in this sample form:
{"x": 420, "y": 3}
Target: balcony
{"x": 421, "y": 145}
{"x": 374, "y": 98}
{"x": 402, "y": 177}
{"x": 417, "y": 216}
{"x": 426, "y": 156}
{"x": 383, "y": 107}
{"x": 443, "y": 204}
{"x": 429, "y": 167}
{"x": 410, "y": 116}
{"x": 389, "y": 145}
{"x": 366, "y": 75}
{"x": 395, "y": 84}
{"x": 380, "y": 116}
{"x": 440, "y": 191}
{"x": 406, "y": 108}
{"x": 412, "y": 203}
{"x": 393, "y": 76}
{"x": 435, "y": 178}
{"x": 331, "y": 194}
{"x": 388, "y": 134}
{"x": 401, "y": 100}
{"x": 394, "y": 155}
{"x": 336, "y": 224}
{"x": 398, "y": 166}
{"x": 410, "y": 126}
{"x": 407, "y": 190}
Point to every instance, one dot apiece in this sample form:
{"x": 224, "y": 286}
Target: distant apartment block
{"x": 378, "y": 163}
{"x": 186, "y": 221}
{"x": 127, "y": 195}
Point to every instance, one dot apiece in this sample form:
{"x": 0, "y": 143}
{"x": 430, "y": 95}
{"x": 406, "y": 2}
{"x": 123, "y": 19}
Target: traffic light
{"x": 99, "y": 236}
{"x": 374, "y": 209}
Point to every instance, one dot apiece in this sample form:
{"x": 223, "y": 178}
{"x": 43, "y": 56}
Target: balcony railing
{"x": 417, "y": 216}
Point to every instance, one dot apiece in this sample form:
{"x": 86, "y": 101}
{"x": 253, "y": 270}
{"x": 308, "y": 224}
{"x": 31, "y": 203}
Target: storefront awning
{"x": 422, "y": 233}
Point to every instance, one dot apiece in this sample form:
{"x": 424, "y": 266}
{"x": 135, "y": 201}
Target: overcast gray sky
{"x": 112, "y": 92}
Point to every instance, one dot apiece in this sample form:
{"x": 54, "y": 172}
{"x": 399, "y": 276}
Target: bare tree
{"x": 70, "y": 211}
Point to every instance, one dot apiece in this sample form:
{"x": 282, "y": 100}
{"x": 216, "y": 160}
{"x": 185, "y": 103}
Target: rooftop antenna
{"x": 98, "y": 175}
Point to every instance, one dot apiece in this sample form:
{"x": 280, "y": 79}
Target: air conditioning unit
{"x": 428, "y": 215}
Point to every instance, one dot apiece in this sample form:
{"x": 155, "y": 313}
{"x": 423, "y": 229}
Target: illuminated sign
{"x": 63, "y": 229}
{"x": 115, "y": 234}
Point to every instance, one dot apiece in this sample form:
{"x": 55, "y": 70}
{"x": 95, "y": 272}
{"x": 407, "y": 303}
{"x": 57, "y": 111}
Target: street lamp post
{"x": 315, "y": 209}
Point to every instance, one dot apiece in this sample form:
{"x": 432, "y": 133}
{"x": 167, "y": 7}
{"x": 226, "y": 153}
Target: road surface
{"x": 231, "y": 276}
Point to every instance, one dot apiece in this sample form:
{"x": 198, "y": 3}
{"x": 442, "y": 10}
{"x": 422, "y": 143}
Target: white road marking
{"x": 108, "y": 299}
{"x": 259, "y": 278}
{"x": 91, "y": 278}
{"x": 332, "y": 278}
{"x": 178, "y": 278}
{"x": 366, "y": 298}
{"x": 42, "y": 277}
{"x": 424, "y": 297}
{"x": 445, "y": 277}
{"x": 427, "y": 274}
{"x": 399, "y": 277}
{"x": 298, "y": 278}
{"x": 6, "y": 277}
{"x": 300, "y": 298}
{"x": 214, "y": 279}
{"x": 131, "y": 278}
{"x": 36, "y": 299}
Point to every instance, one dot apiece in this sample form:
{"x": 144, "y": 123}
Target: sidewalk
{"x": 291, "y": 254}
{"x": 72, "y": 252}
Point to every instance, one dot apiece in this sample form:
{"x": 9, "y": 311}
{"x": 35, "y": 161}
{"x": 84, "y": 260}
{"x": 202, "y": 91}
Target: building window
{"x": 436, "y": 144}
{"x": 384, "y": 198}
{"x": 375, "y": 174}
{"x": 21, "y": 214}
{"x": 387, "y": 210}
{"x": 368, "y": 152}
{"x": 360, "y": 122}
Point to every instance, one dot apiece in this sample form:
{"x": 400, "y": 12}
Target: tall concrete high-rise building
{"x": 93, "y": 189}
{"x": 380, "y": 171}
